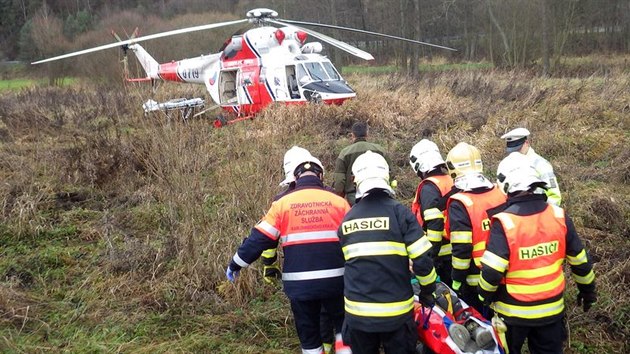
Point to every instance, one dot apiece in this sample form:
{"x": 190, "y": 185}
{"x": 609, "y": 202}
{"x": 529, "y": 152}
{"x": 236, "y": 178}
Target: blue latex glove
{"x": 231, "y": 274}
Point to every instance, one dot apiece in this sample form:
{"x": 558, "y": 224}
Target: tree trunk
{"x": 333, "y": 13}
{"x": 403, "y": 45}
{"x": 363, "y": 5}
{"x": 506, "y": 45}
{"x": 415, "y": 59}
{"x": 545, "y": 38}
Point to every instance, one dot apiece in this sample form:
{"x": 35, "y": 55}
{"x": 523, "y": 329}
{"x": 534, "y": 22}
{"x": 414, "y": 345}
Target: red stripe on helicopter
{"x": 168, "y": 72}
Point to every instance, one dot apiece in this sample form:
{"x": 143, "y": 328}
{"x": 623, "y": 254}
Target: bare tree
{"x": 545, "y": 37}
{"x": 47, "y": 34}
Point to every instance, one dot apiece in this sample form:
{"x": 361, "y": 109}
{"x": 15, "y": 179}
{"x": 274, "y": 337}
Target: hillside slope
{"x": 116, "y": 228}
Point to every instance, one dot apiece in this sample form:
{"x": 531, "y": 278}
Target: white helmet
{"x": 293, "y": 158}
{"x": 516, "y": 173}
{"x": 371, "y": 171}
{"x": 425, "y": 157}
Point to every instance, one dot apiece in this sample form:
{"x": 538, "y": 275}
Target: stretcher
{"x": 453, "y": 327}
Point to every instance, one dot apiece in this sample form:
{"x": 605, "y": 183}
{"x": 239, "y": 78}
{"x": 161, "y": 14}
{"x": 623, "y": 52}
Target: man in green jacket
{"x": 344, "y": 180}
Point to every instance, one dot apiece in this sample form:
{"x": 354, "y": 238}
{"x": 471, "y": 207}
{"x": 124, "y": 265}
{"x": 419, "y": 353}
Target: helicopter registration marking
{"x": 189, "y": 73}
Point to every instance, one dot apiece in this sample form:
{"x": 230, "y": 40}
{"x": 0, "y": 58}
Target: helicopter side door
{"x": 227, "y": 89}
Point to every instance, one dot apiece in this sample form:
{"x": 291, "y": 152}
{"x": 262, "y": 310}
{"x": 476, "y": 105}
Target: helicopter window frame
{"x": 321, "y": 75}
{"x": 301, "y": 72}
{"x": 328, "y": 66}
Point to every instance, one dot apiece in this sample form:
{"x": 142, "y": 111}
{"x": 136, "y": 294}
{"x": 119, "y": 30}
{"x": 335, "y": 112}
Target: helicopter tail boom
{"x": 150, "y": 65}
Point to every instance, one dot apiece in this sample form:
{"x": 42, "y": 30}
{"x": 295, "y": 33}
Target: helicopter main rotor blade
{"x": 140, "y": 39}
{"x": 335, "y": 42}
{"x": 368, "y": 32}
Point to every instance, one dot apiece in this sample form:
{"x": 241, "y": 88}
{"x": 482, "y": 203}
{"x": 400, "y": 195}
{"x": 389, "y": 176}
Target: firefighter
{"x": 304, "y": 221}
{"x": 430, "y": 201}
{"x": 379, "y": 236}
{"x": 467, "y": 222}
{"x": 343, "y": 181}
{"x": 522, "y": 268}
{"x": 518, "y": 140}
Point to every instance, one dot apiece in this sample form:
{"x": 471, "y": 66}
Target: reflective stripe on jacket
{"x": 379, "y": 236}
{"x": 304, "y": 221}
{"x": 468, "y": 245}
{"x": 444, "y": 184}
{"x": 537, "y": 245}
{"x": 431, "y": 216}
{"x": 532, "y": 234}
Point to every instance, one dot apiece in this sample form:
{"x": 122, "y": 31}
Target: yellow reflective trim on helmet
{"x": 433, "y": 214}
{"x": 428, "y": 279}
{"x": 270, "y": 253}
{"x": 434, "y": 235}
{"x": 487, "y": 286}
{"x": 495, "y": 262}
{"x": 537, "y": 272}
{"x": 461, "y": 236}
{"x": 537, "y": 288}
{"x": 445, "y": 250}
{"x": 382, "y": 248}
{"x": 378, "y": 309}
{"x": 461, "y": 263}
{"x": 419, "y": 247}
{"x": 587, "y": 279}
{"x": 530, "y": 312}
{"x": 579, "y": 259}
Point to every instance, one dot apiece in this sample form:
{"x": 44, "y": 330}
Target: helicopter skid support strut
{"x": 221, "y": 121}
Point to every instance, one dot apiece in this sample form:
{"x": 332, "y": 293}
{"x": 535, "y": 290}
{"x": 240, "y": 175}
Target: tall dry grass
{"x": 169, "y": 202}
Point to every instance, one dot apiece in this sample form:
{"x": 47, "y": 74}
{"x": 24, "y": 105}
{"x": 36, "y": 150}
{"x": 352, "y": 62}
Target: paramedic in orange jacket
{"x": 522, "y": 268}
{"x": 430, "y": 202}
{"x": 468, "y": 224}
{"x": 304, "y": 221}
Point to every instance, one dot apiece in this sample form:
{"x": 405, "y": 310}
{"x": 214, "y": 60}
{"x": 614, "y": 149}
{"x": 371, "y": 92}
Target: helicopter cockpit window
{"x": 300, "y": 72}
{"x": 316, "y": 71}
{"x": 330, "y": 70}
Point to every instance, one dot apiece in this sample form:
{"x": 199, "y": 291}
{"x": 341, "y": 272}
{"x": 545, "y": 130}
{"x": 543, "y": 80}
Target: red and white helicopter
{"x": 264, "y": 64}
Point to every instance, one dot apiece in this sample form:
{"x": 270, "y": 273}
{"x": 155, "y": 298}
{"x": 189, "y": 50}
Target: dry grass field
{"x": 115, "y": 227}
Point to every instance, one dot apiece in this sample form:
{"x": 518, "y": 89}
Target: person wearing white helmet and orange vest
{"x": 518, "y": 140}
{"x": 522, "y": 272}
{"x": 379, "y": 236}
{"x": 430, "y": 202}
{"x": 269, "y": 257}
{"x": 467, "y": 219}
{"x": 304, "y": 221}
